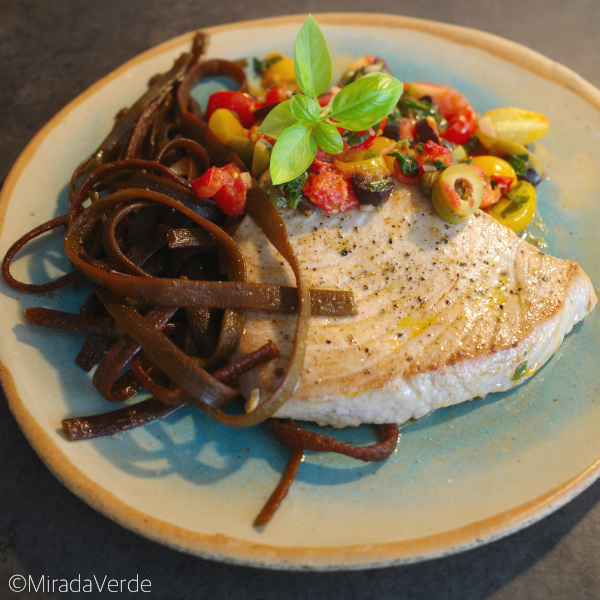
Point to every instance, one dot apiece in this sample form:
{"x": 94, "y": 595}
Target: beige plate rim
{"x": 226, "y": 549}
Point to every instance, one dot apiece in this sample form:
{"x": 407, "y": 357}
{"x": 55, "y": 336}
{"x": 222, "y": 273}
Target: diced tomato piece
{"x": 432, "y": 154}
{"x": 461, "y": 127}
{"x": 330, "y": 189}
{"x": 407, "y": 128}
{"x": 503, "y": 182}
{"x": 243, "y": 105}
{"x": 226, "y": 186}
{"x": 277, "y": 93}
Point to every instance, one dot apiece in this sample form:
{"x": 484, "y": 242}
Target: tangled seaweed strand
{"x": 170, "y": 289}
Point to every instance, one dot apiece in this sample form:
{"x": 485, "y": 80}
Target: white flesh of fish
{"x": 447, "y": 313}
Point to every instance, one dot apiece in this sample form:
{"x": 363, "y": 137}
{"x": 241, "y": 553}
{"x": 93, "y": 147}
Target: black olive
{"x": 392, "y": 131}
{"x": 532, "y": 176}
{"x": 424, "y": 131}
{"x": 372, "y": 192}
{"x": 263, "y": 111}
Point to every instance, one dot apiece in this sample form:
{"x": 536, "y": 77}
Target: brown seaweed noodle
{"x": 170, "y": 288}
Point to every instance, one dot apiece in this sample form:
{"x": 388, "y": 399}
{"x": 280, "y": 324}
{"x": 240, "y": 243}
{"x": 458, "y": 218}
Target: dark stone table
{"x": 50, "y": 51}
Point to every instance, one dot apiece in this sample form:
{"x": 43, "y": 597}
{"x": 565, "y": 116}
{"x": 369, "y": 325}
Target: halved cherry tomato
{"x": 453, "y": 106}
{"x": 243, "y": 105}
{"x": 226, "y": 185}
{"x": 329, "y": 188}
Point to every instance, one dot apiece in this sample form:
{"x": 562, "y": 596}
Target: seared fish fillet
{"x": 447, "y": 313}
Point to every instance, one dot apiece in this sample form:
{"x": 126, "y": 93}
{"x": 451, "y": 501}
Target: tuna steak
{"x": 446, "y": 313}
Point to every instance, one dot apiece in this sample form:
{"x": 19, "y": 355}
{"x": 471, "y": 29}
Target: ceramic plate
{"x": 461, "y": 477}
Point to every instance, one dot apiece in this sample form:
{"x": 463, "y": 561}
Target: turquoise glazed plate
{"x": 461, "y": 477}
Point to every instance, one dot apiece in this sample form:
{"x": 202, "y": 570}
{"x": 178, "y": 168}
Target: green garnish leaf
{"x": 408, "y": 165}
{"x": 379, "y": 185}
{"x": 312, "y": 62}
{"x": 304, "y": 109}
{"x": 260, "y": 66}
{"x": 520, "y": 371}
{"x": 301, "y": 126}
{"x": 292, "y": 190}
{"x": 293, "y": 152}
{"x": 328, "y": 138}
{"x": 519, "y": 163}
{"x": 366, "y": 101}
{"x": 352, "y": 137}
{"x": 278, "y": 120}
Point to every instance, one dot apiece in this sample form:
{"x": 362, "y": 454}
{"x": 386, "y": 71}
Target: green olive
{"x": 457, "y": 193}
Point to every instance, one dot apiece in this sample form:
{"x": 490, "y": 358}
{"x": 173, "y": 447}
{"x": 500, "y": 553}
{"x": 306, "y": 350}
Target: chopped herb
{"x": 519, "y": 163}
{"x": 260, "y": 66}
{"x": 440, "y": 165}
{"x": 473, "y": 146}
{"x": 408, "y": 165}
{"x": 292, "y": 190}
{"x": 419, "y": 109}
{"x": 516, "y": 199}
{"x": 521, "y": 369}
{"x": 352, "y": 75}
{"x": 379, "y": 185}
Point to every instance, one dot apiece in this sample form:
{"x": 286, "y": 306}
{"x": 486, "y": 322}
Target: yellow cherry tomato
{"x": 517, "y": 208}
{"x": 514, "y": 124}
{"x": 370, "y": 168}
{"x": 225, "y": 125}
{"x": 494, "y": 166}
{"x": 280, "y": 71}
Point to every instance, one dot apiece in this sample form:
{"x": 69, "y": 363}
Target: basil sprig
{"x": 301, "y": 126}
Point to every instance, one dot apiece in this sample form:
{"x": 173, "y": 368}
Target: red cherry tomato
{"x": 243, "y": 105}
{"x": 454, "y": 107}
{"x": 226, "y": 186}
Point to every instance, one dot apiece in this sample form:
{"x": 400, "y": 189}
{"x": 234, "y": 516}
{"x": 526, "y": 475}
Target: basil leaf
{"x": 328, "y": 138}
{"x": 312, "y": 62}
{"x": 366, "y": 101}
{"x": 304, "y": 109}
{"x": 352, "y": 137}
{"x": 278, "y": 120}
{"x": 292, "y": 153}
